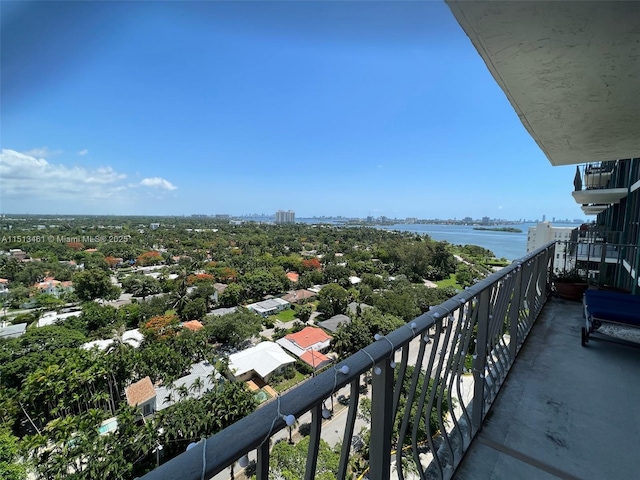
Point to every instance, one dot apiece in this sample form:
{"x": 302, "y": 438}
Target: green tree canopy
{"x": 333, "y": 300}
{"x": 234, "y": 328}
{"x": 289, "y": 461}
{"x": 93, "y": 284}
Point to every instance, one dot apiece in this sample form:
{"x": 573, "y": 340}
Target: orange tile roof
{"x": 140, "y": 392}
{"x": 91, "y": 250}
{"x": 314, "y": 358}
{"x": 293, "y": 276}
{"x": 194, "y": 325}
{"x": 308, "y": 336}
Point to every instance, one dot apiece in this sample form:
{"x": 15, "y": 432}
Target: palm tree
{"x": 197, "y": 385}
{"x": 183, "y": 391}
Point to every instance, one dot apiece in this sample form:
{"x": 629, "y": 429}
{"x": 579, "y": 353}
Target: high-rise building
{"x": 285, "y": 217}
{"x": 543, "y": 233}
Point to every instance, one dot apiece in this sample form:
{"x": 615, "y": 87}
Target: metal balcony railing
{"x": 464, "y": 347}
{"x": 601, "y": 263}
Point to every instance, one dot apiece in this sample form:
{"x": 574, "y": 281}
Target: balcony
{"x": 565, "y": 411}
{"x": 597, "y": 186}
{"x": 601, "y": 263}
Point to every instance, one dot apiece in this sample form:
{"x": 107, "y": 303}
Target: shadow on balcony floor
{"x": 565, "y": 411}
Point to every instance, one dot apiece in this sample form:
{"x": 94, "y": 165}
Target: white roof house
{"x": 269, "y": 307}
{"x": 132, "y": 337}
{"x": 12, "y": 331}
{"x": 202, "y": 370}
{"x": 49, "y": 318}
{"x": 263, "y": 359}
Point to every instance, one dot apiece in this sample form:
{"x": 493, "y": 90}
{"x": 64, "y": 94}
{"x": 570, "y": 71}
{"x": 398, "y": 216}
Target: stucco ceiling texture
{"x": 570, "y": 69}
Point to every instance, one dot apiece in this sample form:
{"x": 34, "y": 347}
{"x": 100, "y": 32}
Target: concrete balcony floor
{"x": 565, "y": 411}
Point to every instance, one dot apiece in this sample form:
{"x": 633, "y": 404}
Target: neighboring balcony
{"x": 436, "y": 404}
{"x": 602, "y": 264}
{"x": 597, "y": 186}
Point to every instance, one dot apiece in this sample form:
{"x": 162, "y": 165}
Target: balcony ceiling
{"x": 600, "y": 196}
{"x": 571, "y": 70}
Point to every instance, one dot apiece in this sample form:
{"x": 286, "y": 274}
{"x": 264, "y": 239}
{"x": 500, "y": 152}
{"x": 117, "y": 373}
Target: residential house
{"x": 194, "y": 388}
{"x": 293, "y": 277}
{"x": 218, "y": 312}
{"x": 332, "y": 324}
{"x": 142, "y": 394}
{"x": 12, "y": 331}
{"x": 54, "y": 287}
{"x": 308, "y": 345}
{"x": 315, "y": 288}
{"x": 193, "y": 325}
{"x": 18, "y": 254}
{"x": 49, "y": 318}
{"x": 269, "y": 307}
{"x": 298, "y": 296}
{"x": 219, "y": 290}
{"x": 263, "y": 361}
{"x": 130, "y": 337}
{"x": 355, "y": 307}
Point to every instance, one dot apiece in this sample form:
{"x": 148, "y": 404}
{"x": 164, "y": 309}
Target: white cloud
{"x": 42, "y": 152}
{"x": 158, "y": 182}
{"x": 83, "y": 152}
{"x": 29, "y": 178}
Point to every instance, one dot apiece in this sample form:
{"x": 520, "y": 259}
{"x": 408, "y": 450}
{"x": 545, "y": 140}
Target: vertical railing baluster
{"x": 348, "y": 429}
{"x": 314, "y": 442}
{"x": 262, "y": 462}
{"x": 480, "y": 362}
{"x": 381, "y": 422}
{"x": 514, "y": 314}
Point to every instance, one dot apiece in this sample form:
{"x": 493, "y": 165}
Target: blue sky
{"x": 325, "y": 108}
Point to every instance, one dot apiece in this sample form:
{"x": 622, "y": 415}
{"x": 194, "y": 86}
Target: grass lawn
{"x": 449, "y": 282}
{"x": 285, "y": 315}
{"x": 281, "y": 387}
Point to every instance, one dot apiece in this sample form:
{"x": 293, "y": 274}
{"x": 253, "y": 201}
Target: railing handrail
{"x": 251, "y": 432}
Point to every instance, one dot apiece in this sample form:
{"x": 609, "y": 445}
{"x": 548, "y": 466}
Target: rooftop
{"x": 334, "y": 322}
{"x": 308, "y": 337}
{"x": 315, "y": 359}
{"x": 264, "y": 358}
{"x": 565, "y": 410}
{"x": 194, "y": 325}
{"x": 140, "y": 392}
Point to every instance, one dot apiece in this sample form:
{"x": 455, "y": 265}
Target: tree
{"x": 141, "y": 285}
{"x": 337, "y": 274}
{"x": 94, "y": 284}
{"x": 288, "y": 462}
{"x": 194, "y": 310}
{"x": 149, "y": 258}
{"x": 98, "y": 316}
{"x": 333, "y": 300}
{"x": 464, "y": 275}
{"x": 160, "y": 327}
{"x": 231, "y": 296}
{"x": 304, "y": 312}
{"x": 131, "y": 314}
{"x": 234, "y": 328}
{"x": 10, "y": 467}
{"x": 360, "y": 331}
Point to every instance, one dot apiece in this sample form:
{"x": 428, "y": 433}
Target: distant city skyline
{"x": 347, "y": 108}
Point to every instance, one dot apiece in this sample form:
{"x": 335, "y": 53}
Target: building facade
{"x": 288, "y": 216}
{"x": 543, "y": 233}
